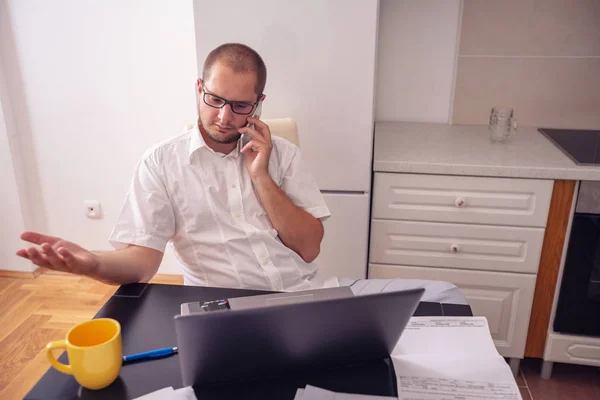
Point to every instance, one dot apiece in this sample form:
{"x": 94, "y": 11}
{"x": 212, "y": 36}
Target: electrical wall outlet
{"x": 92, "y": 209}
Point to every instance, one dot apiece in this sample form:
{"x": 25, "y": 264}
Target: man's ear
{"x": 198, "y": 89}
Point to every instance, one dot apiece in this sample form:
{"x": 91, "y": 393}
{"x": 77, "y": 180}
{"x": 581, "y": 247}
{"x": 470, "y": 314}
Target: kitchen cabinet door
{"x": 505, "y": 299}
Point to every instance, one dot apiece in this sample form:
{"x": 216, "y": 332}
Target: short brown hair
{"x": 240, "y": 58}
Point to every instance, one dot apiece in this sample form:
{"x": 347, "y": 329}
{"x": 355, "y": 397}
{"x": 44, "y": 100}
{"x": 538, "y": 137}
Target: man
{"x": 244, "y": 215}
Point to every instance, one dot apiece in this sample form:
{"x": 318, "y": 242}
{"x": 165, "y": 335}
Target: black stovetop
{"x": 582, "y": 146}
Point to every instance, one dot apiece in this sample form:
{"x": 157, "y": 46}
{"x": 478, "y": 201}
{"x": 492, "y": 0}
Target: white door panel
{"x": 169, "y": 264}
{"x": 344, "y": 248}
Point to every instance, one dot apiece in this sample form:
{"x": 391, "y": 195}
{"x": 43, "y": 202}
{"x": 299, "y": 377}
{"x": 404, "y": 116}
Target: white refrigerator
{"x": 320, "y": 57}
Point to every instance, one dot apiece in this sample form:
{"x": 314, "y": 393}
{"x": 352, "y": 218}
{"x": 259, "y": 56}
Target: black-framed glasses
{"x": 238, "y": 107}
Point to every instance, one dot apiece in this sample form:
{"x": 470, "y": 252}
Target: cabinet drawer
{"x": 481, "y": 247}
{"x": 584, "y": 350}
{"x": 505, "y": 299}
{"x": 464, "y": 199}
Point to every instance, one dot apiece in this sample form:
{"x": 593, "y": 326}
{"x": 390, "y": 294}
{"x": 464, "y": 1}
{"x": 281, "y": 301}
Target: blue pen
{"x": 149, "y": 355}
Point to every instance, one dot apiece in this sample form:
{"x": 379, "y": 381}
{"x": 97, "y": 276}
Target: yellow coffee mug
{"x": 95, "y": 353}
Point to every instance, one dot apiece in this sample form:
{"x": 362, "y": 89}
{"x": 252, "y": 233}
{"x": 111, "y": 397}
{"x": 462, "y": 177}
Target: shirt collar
{"x": 197, "y": 142}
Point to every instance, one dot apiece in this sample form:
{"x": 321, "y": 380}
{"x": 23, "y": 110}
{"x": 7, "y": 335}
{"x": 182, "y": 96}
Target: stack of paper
{"x": 315, "y": 393}
{"x": 451, "y": 358}
{"x": 168, "y": 393}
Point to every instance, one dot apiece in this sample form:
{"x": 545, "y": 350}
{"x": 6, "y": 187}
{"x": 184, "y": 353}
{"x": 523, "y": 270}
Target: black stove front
{"x": 578, "y": 308}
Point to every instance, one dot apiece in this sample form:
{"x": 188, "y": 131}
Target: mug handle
{"x": 59, "y": 344}
{"x": 513, "y": 128}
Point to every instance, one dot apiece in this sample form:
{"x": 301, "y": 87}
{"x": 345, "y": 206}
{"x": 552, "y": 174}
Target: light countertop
{"x": 425, "y": 148}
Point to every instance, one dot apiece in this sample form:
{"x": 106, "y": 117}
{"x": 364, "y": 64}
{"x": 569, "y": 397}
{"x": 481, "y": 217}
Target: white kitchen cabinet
{"x": 462, "y": 199}
{"x": 483, "y": 247}
{"x": 482, "y": 234}
{"x": 503, "y": 298}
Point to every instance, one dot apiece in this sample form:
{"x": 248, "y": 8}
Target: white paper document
{"x": 316, "y": 393}
{"x": 451, "y": 358}
{"x": 168, "y": 393}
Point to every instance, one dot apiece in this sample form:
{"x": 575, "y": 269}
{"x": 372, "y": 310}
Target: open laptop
{"x": 253, "y": 343}
{"x": 266, "y": 300}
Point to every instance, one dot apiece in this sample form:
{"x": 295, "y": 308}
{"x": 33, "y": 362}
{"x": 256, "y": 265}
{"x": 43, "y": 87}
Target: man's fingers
{"x": 22, "y": 253}
{"x": 54, "y": 258}
{"x": 38, "y": 238}
{"x": 254, "y": 133}
{"x": 257, "y": 122}
{"x": 260, "y": 131}
{"x": 36, "y": 258}
{"x": 246, "y": 149}
{"x": 34, "y": 254}
{"x": 68, "y": 257}
{"x": 251, "y": 146}
{"x": 263, "y": 128}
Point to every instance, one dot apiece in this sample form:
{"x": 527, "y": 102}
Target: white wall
{"x": 93, "y": 84}
{"x": 15, "y": 212}
{"x": 416, "y": 59}
{"x": 10, "y": 208}
{"x": 101, "y": 82}
{"x": 11, "y": 212}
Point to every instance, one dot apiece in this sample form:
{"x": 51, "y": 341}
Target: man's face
{"x": 222, "y": 124}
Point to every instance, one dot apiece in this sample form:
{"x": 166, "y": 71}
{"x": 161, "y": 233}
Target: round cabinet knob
{"x": 460, "y": 202}
{"x": 454, "y": 248}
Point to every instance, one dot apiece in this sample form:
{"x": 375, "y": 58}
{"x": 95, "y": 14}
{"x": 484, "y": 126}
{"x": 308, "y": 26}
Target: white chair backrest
{"x": 285, "y": 128}
{"x": 282, "y": 127}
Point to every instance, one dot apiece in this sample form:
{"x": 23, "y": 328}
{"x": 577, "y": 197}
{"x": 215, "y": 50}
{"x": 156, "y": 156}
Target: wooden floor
{"x": 36, "y": 311}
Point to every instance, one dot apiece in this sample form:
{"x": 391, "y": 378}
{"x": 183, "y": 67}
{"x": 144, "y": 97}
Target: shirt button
{"x": 238, "y": 214}
{"x": 233, "y": 186}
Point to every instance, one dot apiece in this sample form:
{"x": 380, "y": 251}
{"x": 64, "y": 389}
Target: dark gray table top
{"x": 145, "y": 312}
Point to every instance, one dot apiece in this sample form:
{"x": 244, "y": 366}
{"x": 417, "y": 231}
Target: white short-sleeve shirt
{"x": 204, "y": 204}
